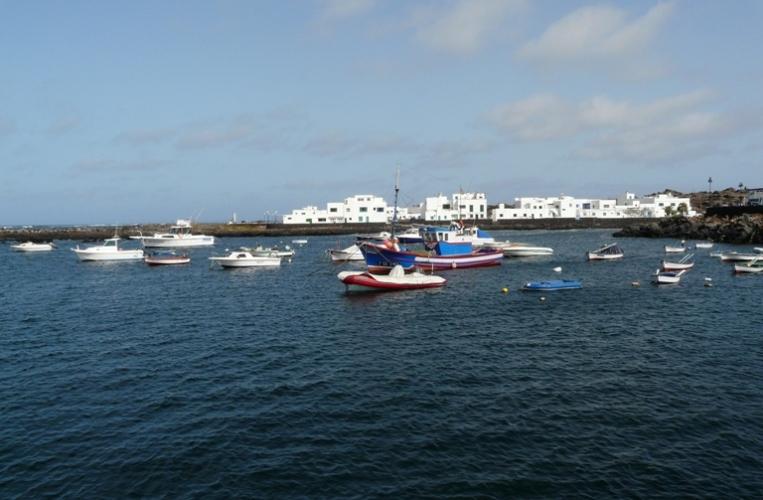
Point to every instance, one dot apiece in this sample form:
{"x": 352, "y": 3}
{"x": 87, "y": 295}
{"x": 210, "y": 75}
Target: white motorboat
{"x": 607, "y": 252}
{"x": 244, "y": 258}
{"x": 754, "y": 266}
{"x": 350, "y": 253}
{"x": 30, "y": 246}
{"x": 739, "y": 257}
{"x": 179, "y": 236}
{"x": 524, "y": 250}
{"x": 397, "y": 279}
{"x": 274, "y": 251}
{"x": 109, "y": 250}
{"x": 707, "y": 244}
{"x": 668, "y": 277}
{"x": 683, "y": 264}
{"x": 673, "y": 249}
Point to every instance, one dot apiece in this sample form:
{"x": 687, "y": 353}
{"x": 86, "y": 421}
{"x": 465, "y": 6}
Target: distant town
{"x": 366, "y": 208}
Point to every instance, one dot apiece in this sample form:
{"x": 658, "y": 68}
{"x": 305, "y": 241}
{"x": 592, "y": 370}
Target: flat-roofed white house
{"x": 627, "y": 205}
{"x": 361, "y": 208}
{"x": 458, "y": 206}
{"x": 755, "y": 197}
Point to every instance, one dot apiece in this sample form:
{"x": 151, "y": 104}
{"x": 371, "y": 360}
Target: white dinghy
{"x": 30, "y": 246}
{"x": 348, "y": 254}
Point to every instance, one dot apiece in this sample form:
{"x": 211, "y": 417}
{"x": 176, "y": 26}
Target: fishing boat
{"x": 685, "y": 263}
{"x": 441, "y": 253}
{"x": 667, "y": 277}
{"x": 29, "y": 246}
{"x": 739, "y": 257}
{"x": 607, "y": 252}
{"x": 244, "y": 258}
{"x": 707, "y": 244}
{"x": 274, "y": 251}
{"x": 675, "y": 249}
{"x": 552, "y": 285}
{"x": 525, "y": 250}
{"x": 166, "y": 259}
{"x": 754, "y": 266}
{"x": 179, "y": 236}
{"x": 108, "y": 251}
{"x": 350, "y": 253}
{"x": 397, "y": 279}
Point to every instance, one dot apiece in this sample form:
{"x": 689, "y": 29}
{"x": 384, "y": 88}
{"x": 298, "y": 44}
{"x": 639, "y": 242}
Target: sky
{"x": 143, "y": 111}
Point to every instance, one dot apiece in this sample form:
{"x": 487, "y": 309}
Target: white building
{"x": 459, "y": 206}
{"x": 624, "y": 206}
{"x": 362, "y": 208}
{"x": 755, "y": 197}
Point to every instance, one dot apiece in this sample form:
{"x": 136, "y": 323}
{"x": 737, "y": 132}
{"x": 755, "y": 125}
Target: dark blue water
{"x": 125, "y": 380}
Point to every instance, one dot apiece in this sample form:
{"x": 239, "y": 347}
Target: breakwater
{"x": 747, "y": 228}
{"x": 93, "y": 233}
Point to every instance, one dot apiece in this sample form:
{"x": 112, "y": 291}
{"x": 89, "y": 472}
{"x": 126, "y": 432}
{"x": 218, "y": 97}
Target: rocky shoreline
{"x": 747, "y": 228}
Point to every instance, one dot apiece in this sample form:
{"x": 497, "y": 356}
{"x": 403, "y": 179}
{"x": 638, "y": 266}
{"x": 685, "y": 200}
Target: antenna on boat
{"x": 394, "y": 212}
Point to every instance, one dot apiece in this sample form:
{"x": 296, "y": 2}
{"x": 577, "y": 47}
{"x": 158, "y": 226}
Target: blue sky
{"x": 124, "y": 112}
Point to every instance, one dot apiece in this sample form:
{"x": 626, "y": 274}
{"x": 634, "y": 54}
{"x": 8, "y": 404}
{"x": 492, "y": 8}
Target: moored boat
{"x": 552, "y": 285}
{"x": 351, "y": 253}
{"x": 299, "y": 242}
{"x": 667, "y": 277}
{"x": 179, "y": 236}
{"x": 739, "y": 257}
{"x": 607, "y": 252}
{"x": 166, "y": 259}
{"x": 108, "y": 251}
{"x": 685, "y": 263}
{"x": 443, "y": 253}
{"x": 675, "y": 249}
{"x": 410, "y": 236}
{"x": 30, "y": 246}
{"x": 753, "y": 267}
{"x": 244, "y": 258}
{"x": 525, "y": 250}
{"x": 707, "y": 244}
{"x": 397, "y": 279}
{"x": 274, "y": 251}
{"x": 758, "y": 249}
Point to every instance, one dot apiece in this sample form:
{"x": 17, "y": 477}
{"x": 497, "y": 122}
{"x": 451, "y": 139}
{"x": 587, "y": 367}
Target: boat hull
{"x": 252, "y": 262}
{"x": 675, "y": 266}
{"x": 31, "y": 248}
{"x": 195, "y": 241}
{"x": 668, "y": 277}
{"x": 380, "y": 259}
{"x": 595, "y": 256}
{"x": 669, "y": 249}
{"x": 87, "y": 256}
{"x": 166, "y": 261}
{"x": 552, "y": 286}
{"x": 739, "y": 257}
{"x": 346, "y": 255}
{"x": 742, "y": 269}
{"x": 365, "y": 282}
{"x": 527, "y": 251}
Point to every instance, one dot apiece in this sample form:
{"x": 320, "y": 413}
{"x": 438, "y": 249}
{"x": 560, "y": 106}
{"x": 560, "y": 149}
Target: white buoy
{"x": 557, "y": 269}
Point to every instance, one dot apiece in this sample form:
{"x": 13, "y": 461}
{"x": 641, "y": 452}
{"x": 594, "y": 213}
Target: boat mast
{"x": 394, "y": 212}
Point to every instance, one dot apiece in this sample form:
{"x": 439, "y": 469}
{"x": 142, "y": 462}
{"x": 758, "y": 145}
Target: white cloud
{"x": 465, "y": 26}
{"x": 671, "y": 128}
{"x": 597, "y": 33}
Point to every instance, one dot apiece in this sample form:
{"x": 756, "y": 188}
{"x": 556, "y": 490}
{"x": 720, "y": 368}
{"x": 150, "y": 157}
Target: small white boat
{"x": 683, "y": 264}
{"x": 30, "y": 246}
{"x": 672, "y": 249}
{"x": 524, "y": 250}
{"x": 758, "y": 249}
{"x": 180, "y": 236}
{"x": 754, "y": 266}
{"x": 708, "y": 244}
{"x": 299, "y": 242}
{"x": 166, "y": 259}
{"x": 607, "y": 252}
{"x": 668, "y": 277}
{"x": 739, "y": 257}
{"x": 356, "y": 281}
{"x": 244, "y": 258}
{"x": 274, "y": 251}
{"x": 109, "y": 250}
{"x": 350, "y": 253}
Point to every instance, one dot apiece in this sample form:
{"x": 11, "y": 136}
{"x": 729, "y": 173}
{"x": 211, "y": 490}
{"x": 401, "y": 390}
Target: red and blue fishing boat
{"x": 444, "y": 249}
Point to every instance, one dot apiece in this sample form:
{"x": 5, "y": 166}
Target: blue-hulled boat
{"x": 446, "y": 249}
{"x": 552, "y": 285}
